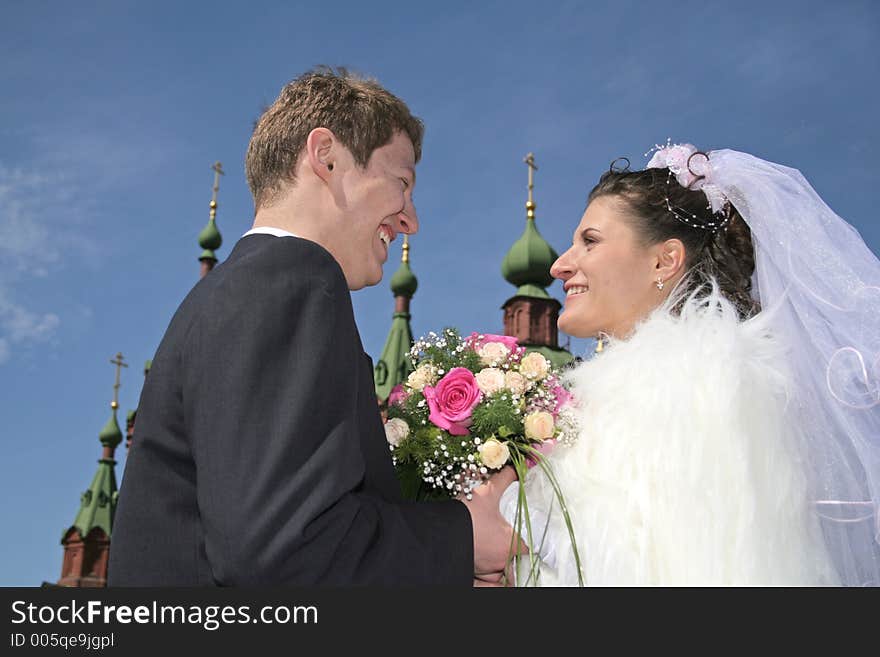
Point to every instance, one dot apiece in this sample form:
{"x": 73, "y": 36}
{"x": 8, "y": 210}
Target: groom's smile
{"x": 377, "y": 203}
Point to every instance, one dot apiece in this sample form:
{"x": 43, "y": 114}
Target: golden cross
{"x": 119, "y": 364}
{"x": 218, "y": 171}
{"x": 405, "y": 257}
{"x": 530, "y": 162}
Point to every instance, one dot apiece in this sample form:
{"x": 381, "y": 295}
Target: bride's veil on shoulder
{"x": 820, "y": 283}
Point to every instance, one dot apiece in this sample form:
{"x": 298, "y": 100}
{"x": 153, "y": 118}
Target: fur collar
{"x": 685, "y": 471}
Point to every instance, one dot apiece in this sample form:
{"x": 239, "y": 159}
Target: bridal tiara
{"x": 692, "y": 170}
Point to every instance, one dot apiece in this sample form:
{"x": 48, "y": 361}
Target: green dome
{"x": 404, "y": 282}
{"x": 111, "y": 435}
{"x": 210, "y": 238}
{"x": 529, "y": 259}
{"x": 207, "y": 254}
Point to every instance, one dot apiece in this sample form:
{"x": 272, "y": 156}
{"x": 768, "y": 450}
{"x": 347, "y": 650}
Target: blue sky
{"x": 111, "y": 114}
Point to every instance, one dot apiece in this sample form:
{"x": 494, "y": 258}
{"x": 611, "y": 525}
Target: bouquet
{"x": 471, "y": 406}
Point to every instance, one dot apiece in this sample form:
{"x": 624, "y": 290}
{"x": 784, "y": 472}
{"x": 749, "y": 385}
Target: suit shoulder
{"x": 265, "y": 267}
{"x": 263, "y": 271}
{"x": 285, "y": 257}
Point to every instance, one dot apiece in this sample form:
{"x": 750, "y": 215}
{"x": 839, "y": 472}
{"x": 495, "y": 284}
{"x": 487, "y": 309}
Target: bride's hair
{"x": 725, "y": 256}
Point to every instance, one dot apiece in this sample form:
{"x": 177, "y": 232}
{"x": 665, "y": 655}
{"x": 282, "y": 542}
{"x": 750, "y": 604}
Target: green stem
{"x": 522, "y": 516}
{"x": 541, "y": 460}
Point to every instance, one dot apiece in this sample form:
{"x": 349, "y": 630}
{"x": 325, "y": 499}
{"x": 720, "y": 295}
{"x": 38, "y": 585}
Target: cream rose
{"x": 396, "y": 431}
{"x": 494, "y": 454}
{"x": 515, "y": 382}
{"x": 494, "y": 353}
{"x": 534, "y": 366}
{"x": 490, "y": 380}
{"x": 539, "y": 425}
{"x": 425, "y": 375}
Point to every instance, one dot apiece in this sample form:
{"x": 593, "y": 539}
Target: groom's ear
{"x": 320, "y": 151}
{"x": 671, "y": 256}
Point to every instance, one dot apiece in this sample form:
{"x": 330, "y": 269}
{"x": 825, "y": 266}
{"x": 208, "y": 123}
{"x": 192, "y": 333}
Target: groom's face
{"x": 377, "y": 205}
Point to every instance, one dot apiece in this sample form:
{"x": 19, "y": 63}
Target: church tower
{"x": 87, "y": 542}
{"x": 210, "y": 238}
{"x": 530, "y": 314}
{"x": 394, "y": 364}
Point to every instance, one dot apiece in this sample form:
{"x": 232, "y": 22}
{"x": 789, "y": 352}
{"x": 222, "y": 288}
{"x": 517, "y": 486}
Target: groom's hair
{"x": 361, "y": 113}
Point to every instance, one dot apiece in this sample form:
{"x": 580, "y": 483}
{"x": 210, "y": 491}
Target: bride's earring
{"x": 599, "y": 346}
{"x": 659, "y": 283}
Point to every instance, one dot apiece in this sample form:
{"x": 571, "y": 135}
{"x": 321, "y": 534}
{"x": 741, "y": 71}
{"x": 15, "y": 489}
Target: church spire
{"x": 394, "y": 364}
{"x": 530, "y": 203}
{"x": 527, "y": 263}
{"x": 87, "y": 542}
{"x": 210, "y": 238}
{"x": 530, "y": 315}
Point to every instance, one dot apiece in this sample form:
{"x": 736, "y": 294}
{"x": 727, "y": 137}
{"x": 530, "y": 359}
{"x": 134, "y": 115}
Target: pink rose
{"x": 398, "y": 395}
{"x": 452, "y": 400}
{"x": 479, "y": 340}
{"x": 563, "y": 397}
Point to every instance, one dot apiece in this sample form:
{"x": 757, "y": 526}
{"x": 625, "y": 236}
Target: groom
{"x": 260, "y": 457}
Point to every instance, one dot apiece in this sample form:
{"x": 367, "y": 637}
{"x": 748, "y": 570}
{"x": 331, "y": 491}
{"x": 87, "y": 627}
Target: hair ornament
{"x": 692, "y": 169}
{"x": 620, "y": 165}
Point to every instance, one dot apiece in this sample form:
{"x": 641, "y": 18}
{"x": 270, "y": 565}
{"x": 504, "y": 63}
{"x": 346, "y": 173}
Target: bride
{"x": 730, "y": 419}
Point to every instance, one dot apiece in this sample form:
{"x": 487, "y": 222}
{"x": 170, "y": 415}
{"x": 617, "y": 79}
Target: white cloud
{"x": 52, "y": 197}
{"x": 30, "y": 199}
{"x": 20, "y": 324}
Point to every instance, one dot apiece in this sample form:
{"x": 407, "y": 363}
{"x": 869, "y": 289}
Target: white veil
{"x": 823, "y": 286}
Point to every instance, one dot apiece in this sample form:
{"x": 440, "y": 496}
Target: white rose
{"x": 493, "y": 353}
{"x": 515, "y": 382}
{"x": 494, "y": 454}
{"x": 396, "y": 431}
{"x": 539, "y": 425}
{"x": 425, "y": 375}
{"x": 490, "y": 380}
{"x": 534, "y": 366}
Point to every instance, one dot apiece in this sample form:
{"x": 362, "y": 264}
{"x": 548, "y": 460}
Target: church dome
{"x": 209, "y": 238}
{"x": 528, "y": 261}
{"x": 111, "y": 435}
{"x": 404, "y": 282}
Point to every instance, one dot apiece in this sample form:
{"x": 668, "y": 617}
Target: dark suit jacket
{"x": 259, "y": 455}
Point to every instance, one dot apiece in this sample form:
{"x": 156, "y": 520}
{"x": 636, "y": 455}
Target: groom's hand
{"x": 493, "y": 580}
{"x": 493, "y": 535}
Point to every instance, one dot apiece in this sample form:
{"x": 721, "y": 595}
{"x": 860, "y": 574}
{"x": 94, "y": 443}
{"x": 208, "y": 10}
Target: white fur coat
{"x": 685, "y": 471}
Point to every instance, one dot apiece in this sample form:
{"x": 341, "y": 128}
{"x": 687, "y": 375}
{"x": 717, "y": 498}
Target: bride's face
{"x": 610, "y": 279}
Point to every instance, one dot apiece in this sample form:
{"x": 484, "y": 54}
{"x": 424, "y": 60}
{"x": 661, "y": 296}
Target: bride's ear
{"x": 671, "y": 257}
